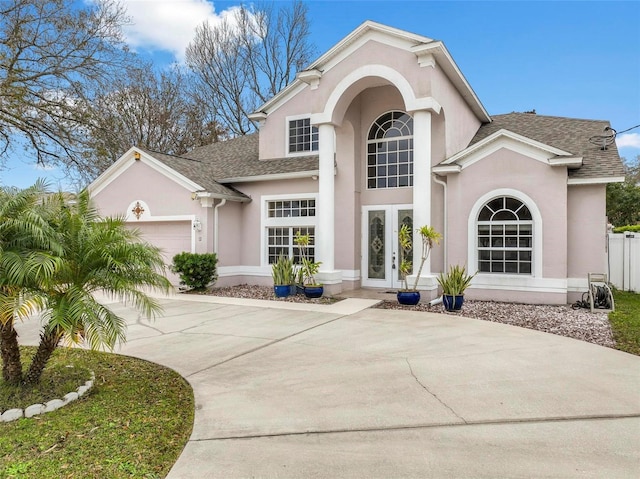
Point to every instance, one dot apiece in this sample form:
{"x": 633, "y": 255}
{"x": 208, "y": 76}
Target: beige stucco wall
{"x": 243, "y": 235}
{"x": 231, "y": 231}
{"x": 360, "y": 104}
{"x": 169, "y": 209}
{"x": 586, "y": 230}
{"x": 461, "y": 123}
{"x": 141, "y": 182}
{"x": 163, "y": 197}
{"x": 425, "y": 82}
{"x": 544, "y": 185}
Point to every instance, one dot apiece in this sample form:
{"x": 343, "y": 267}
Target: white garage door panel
{"x": 172, "y": 237}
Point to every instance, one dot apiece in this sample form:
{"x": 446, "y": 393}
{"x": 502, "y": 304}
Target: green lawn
{"x": 134, "y": 422}
{"x": 625, "y": 322}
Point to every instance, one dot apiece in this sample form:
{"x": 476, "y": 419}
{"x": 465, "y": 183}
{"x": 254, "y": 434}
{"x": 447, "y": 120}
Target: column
{"x": 325, "y": 236}
{"x": 421, "y": 183}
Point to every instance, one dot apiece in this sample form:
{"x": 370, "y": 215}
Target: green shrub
{"x": 631, "y": 228}
{"x": 196, "y": 270}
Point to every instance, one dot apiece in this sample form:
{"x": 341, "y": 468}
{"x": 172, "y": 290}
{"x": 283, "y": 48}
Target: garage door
{"x": 172, "y": 237}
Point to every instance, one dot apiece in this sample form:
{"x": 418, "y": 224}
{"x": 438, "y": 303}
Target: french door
{"x": 380, "y": 252}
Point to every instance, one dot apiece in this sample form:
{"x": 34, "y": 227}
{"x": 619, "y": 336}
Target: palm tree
{"x": 27, "y": 247}
{"x": 98, "y": 254}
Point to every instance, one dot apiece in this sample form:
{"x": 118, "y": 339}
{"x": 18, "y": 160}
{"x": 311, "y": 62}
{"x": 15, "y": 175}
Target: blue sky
{"x": 573, "y": 59}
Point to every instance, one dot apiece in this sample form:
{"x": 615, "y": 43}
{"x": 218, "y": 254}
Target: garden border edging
{"x": 52, "y": 405}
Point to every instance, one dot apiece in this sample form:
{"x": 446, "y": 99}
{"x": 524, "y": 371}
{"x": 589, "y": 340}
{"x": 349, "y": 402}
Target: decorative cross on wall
{"x": 138, "y": 210}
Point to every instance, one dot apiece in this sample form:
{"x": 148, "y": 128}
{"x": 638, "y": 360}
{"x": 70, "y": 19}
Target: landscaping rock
{"x": 562, "y": 320}
{"x": 89, "y": 384}
{"x": 12, "y": 415}
{"x": 70, "y": 397}
{"x": 82, "y": 390}
{"x": 34, "y": 410}
{"x": 264, "y": 292}
{"x": 53, "y": 405}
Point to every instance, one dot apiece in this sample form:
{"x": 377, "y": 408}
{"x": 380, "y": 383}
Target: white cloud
{"x": 167, "y": 25}
{"x": 628, "y": 140}
{"x": 41, "y": 167}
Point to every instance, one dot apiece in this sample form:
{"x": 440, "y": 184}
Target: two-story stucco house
{"x": 383, "y": 130}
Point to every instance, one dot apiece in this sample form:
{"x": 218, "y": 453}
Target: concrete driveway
{"x": 297, "y": 391}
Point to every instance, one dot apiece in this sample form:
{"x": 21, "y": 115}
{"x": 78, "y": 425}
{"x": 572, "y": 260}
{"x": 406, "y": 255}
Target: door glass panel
{"x": 377, "y": 244}
{"x": 405, "y": 217}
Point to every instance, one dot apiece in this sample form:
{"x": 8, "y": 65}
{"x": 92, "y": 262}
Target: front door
{"x": 380, "y": 254}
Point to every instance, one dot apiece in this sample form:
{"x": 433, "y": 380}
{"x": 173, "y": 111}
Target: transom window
{"x": 280, "y": 241}
{"x": 291, "y": 208}
{"x": 302, "y": 136}
{"x": 505, "y": 237}
{"x": 390, "y": 151}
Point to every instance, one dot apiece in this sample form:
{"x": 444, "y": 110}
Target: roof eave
{"x": 446, "y": 169}
{"x": 220, "y": 196}
{"x": 271, "y": 177}
{"x": 453, "y": 72}
{"x": 603, "y": 180}
{"x": 571, "y": 162}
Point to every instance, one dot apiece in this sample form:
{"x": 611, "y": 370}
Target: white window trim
{"x": 266, "y": 222}
{"x": 288, "y": 119}
{"x": 505, "y": 279}
{"x": 490, "y": 223}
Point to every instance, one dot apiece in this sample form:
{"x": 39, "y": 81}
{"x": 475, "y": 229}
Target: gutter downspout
{"x": 444, "y": 186}
{"x": 215, "y": 224}
{"x": 438, "y": 300}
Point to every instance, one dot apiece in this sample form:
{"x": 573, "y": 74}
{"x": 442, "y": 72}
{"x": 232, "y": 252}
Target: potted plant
{"x": 453, "y": 284}
{"x": 282, "y": 273}
{"x": 298, "y": 280}
{"x": 312, "y": 289}
{"x": 429, "y": 236}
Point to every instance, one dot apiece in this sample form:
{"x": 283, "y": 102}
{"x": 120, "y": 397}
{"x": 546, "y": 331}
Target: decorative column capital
{"x": 425, "y": 104}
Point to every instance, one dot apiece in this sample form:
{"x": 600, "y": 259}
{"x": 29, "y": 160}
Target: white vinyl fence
{"x": 624, "y": 261}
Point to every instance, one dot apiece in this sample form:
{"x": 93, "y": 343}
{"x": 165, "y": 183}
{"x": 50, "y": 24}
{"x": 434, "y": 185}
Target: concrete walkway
{"x": 302, "y": 391}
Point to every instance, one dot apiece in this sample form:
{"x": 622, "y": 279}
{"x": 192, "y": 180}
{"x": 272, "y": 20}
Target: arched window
{"x": 505, "y": 237}
{"x": 390, "y": 151}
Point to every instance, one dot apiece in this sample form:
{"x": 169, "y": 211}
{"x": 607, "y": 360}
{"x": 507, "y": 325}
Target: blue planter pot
{"x": 313, "y": 291}
{"x": 293, "y": 290}
{"x": 452, "y": 303}
{"x": 299, "y": 289}
{"x": 282, "y": 290}
{"x": 410, "y": 298}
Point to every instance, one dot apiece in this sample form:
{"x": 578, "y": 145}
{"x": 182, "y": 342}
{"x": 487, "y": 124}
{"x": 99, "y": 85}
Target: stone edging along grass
{"x": 36, "y": 409}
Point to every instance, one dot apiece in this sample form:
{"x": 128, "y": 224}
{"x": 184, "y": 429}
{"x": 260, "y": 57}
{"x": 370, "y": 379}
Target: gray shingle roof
{"x": 196, "y": 171}
{"x": 214, "y": 164}
{"x": 568, "y": 134}
{"x": 238, "y": 158}
{"x": 218, "y": 163}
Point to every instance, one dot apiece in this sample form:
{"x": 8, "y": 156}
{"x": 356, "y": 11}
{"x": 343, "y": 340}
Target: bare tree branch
{"x": 156, "y": 111}
{"x": 55, "y": 56}
{"x": 247, "y": 58}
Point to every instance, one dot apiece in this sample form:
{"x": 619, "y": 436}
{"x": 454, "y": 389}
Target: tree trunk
{"x": 11, "y": 364}
{"x": 48, "y": 342}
